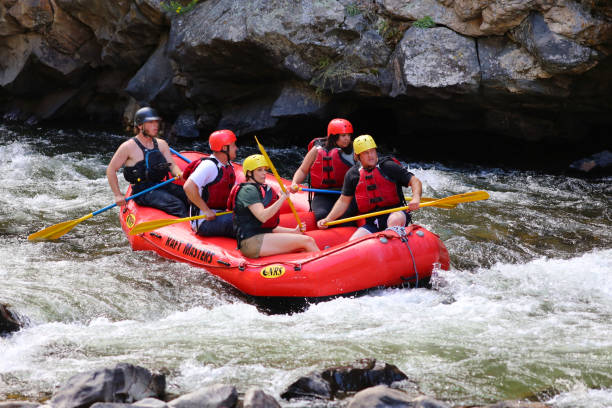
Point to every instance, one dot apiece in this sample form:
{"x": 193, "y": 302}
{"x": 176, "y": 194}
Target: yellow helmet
{"x": 253, "y": 162}
{"x": 363, "y": 143}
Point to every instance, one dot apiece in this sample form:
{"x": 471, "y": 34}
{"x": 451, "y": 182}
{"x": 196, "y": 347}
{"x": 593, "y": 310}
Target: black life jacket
{"x": 153, "y": 168}
{"x": 216, "y": 193}
{"x": 329, "y": 167}
{"x": 246, "y": 224}
{"x": 376, "y": 191}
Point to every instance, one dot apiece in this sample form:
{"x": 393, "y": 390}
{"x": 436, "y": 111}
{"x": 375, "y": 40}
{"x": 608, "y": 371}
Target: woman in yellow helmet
{"x": 256, "y": 209}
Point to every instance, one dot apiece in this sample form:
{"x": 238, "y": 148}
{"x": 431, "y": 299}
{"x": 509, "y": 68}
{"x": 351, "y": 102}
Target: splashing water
{"x": 524, "y": 312}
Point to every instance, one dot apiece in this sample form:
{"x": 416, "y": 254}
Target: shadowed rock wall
{"x": 534, "y": 70}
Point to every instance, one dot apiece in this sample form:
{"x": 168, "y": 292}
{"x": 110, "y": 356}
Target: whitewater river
{"x": 524, "y": 312}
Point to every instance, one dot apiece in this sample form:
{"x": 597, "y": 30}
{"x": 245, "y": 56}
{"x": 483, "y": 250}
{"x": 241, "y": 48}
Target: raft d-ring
{"x": 384, "y": 240}
{"x": 420, "y": 233}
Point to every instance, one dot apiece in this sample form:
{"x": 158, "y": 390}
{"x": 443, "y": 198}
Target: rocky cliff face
{"x": 537, "y": 70}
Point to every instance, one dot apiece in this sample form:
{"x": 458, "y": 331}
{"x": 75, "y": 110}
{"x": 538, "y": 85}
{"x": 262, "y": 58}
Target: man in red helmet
{"x": 209, "y": 185}
{"x": 327, "y": 161}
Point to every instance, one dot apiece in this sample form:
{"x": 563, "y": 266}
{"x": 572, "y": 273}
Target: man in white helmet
{"x": 376, "y": 186}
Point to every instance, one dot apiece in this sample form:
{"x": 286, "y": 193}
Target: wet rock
{"x": 593, "y": 164}
{"x": 34, "y": 15}
{"x": 312, "y": 386}
{"x": 125, "y": 383}
{"x": 362, "y": 374}
{"x": 437, "y": 60}
{"x": 9, "y": 321}
{"x": 186, "y": 125}
{"x": 508, "y": 67}
{"x": 574, "y": 20}
{"x": 297, "y": 99}
{"x": 19, "y": 404}
{"x": 516, "y": 404}
{"x": 256, "y": 398}
{"x": 440, "y": 13}
{"x": 346, "y": 379}
{"x": 556, "y": 54}
{"x": 214, "y": 396}
{"x": 150, "y": 403}
{"x": 249, "y": 117}
{"x": 381, "y": 396}
{"x": 153, "y": 77}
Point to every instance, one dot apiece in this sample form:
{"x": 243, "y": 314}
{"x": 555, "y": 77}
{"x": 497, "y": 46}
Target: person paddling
{"x": 376, "y": 185}
{"x": 327, "y": 161}
{"x": 256, "y": 209}
{"x": 208, "y": 185}
{"x": 147, "y": 160}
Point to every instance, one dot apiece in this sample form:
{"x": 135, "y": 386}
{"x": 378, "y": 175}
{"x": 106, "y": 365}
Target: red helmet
{"x": 339, "y": 126}
{"x": 221, "y": 138}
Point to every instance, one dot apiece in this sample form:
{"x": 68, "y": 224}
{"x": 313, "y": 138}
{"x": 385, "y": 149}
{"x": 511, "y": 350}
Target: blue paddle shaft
{"x": 148, "y": 189}
{"x": 136, "y": 195}
{"x": 318, "y": 190}
{"x": 180, "y": 155}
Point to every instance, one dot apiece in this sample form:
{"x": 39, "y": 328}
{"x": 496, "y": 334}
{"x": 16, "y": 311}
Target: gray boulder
{"x": 9, "y": 321}
{"x": 214, "y": 396}
{"x": 345, "y": 379}
{"x": 125, "y": 383}
{"x": 556, "y": 54}
{"x": 435, "y": 60}
{"x": 256, "y": 398}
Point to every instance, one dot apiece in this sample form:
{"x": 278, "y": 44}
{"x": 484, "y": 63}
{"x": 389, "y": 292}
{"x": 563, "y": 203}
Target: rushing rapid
{"x": 524, "y": 312}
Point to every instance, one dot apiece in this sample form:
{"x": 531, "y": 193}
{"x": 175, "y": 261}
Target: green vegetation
{"x": 425, "y": 22}
{"x": 174, "y": 7}
{"x": 324, "y": 63}
{"x": 352, "y": 10}
{"x": 331, "y": 76}
{"x": 390, "y": 32}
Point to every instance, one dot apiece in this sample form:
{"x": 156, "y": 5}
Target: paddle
{"x": 180, "y": 155}
{"x": 407, "y": 198}
{"x": 155, "y": 224}
{"x": 455, "y": 199}
{"x": 280, "y": 182}
{"x": 57, "y": 230}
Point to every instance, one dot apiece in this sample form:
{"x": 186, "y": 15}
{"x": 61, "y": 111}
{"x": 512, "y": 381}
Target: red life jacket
{"x": 329, "y": 167}
{"x": 377, "y": 191}
{"x": 215, "y": 193}
{"x": 245, "y": 219}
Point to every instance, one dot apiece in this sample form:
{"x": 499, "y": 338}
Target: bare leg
{"x": 396, "y": 219}
{"x": 282, "y": 242}
{"x": 361, "y": 232}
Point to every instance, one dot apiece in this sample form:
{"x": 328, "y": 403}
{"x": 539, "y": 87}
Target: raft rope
{"x": 401, "y": 231}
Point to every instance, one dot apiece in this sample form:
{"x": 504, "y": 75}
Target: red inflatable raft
{"x": 383, "y": 259}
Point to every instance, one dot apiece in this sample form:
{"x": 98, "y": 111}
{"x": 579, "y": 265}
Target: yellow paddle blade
{"x": 458, "y": 198}
{"x": 455, "y": 199}
{"x": 155, "y": 224}
{"x": 57, "y": 230}
{"x": 280, "y": 182}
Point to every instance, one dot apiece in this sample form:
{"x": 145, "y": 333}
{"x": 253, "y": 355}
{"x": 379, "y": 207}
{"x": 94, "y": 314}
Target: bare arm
{"x": 338, "y": 209}
{"x": 118, "y": 160}
{"x": 264, "y": 214}
{"x": 417, "y": 189}
{"x": 193, "y": 194}
{"x": 163, "y": 147}
{"x": 302, "y": 171}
